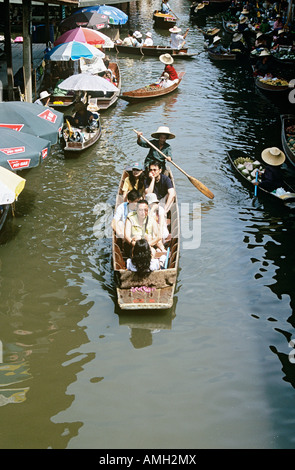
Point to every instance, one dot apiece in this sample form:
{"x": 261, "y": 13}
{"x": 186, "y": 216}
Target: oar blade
{"x": 201, "y": 187}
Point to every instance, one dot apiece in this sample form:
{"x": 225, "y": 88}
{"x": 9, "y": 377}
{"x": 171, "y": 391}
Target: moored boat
{"x": 222, "y": 57}
{"x": 288, "y": 136}
{"x": 286, "y": 200}
{"x": 4, "y": 211}
{"x": 272, "y": 86}
{"x": 163, "y": 20}
{"x": 104, "y": 100}
{"x": 150, "y": 91}
{"x": 62, "y": 101}
{"x": 154, "y": 51}
{"x": 78, "y": 139}
{"x": 156, "y": 289}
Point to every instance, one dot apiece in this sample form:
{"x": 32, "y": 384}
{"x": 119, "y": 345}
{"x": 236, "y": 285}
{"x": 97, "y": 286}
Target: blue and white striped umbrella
{"x": 115, "y": 15}
{"x": 73, "y": 50}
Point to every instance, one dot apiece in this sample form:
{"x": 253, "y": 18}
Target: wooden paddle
{"x": 200, "y": 186}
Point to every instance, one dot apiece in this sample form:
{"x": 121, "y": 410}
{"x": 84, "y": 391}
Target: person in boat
{"x": 135, "y": 180}
{"x": 148, "y": 39}
{"x": 271, "y": 177}
{"x": 43, "y": 99}
{"x": 177, "y": 40}
{"x": 128, "y": 41}
{"x": 82, "y": 117}
{"x": 122, "y": 211}
{"x": 263, "y": 66}
{"x": 260, "y": 41}
{"x": 278, "y": 24}
{"x": 238, "y": 44}
{"x": 160, "y": 137}
{"x": 139, "y": 225}
{"x": 164, "y": 81}
{"x": 157, "y": 211}
{"x": 216, "y": 47}
{"x": 265, "y": 26}
{"x": 160, "y": 184}
{"x": 282, "y": 39}
{"x": 168, "y": 60}
{"x": 137, "y": 39}
{"x": 142, "y": 261}
{"x": 165, "y": 7}
{"x": 108, "y": 76}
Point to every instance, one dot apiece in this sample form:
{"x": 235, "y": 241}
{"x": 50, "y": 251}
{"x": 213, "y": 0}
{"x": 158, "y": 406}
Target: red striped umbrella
{"x": 85, "y": 35}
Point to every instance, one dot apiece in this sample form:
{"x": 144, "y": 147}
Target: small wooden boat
{"x": 164, "y": 21}
{"x": 61, "y": 101}
{"x": 209, "y": 33}
{"x": 154, "y": 51}
{"x": 286, "y": 200}
{"x": 150, "y": 91}
{"x": 78, "y": 139}
{"x": 229, "y": 27}
{"x": 4, "y": 211}
{"x": 105, "y": 100}
{"x": 222, "y": 57}
{"x": 272, "y": 88}
{"x": 156, "y": 289}
{"x": 288, "y": 136}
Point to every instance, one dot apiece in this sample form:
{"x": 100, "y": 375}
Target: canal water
{"x": 216, "y": 370}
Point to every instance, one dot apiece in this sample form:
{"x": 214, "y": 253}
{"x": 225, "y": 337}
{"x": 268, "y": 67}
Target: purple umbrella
{"x": 87, "y": 19}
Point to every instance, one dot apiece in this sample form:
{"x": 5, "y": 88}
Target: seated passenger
{"x": 168, "y": 60}
{"x": 82, "y": 116}
{"x": 138, "y": 39}
{"x": 141, "y": 259}
{"x": 123, "y": 209}
{"x": 148, "y": 39}
{"x": 216, "y": 46}
{"x": 271, "y": 178}
{"x": 135, "y": 180}
{"x": 139, "y": 225}
{"x": 161, "y": 185}
{"x": 158, "y": 212}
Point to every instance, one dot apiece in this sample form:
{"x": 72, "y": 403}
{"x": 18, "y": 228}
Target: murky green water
{"x": 214, "y": 371}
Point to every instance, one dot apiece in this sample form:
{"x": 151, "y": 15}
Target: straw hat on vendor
{"x": 273, "y": 156}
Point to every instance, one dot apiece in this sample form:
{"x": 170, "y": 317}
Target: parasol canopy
{"x": 73, "y": 50}
{"x": 87, "y": 19}
{"x": 115, "y": 15}
{"x": 85, "y": 35}
{"x": 32, "y": 119}
{"x": 19, "y": 150}
{"x": 11, "y": 185}
{"x": 87, "y": 82}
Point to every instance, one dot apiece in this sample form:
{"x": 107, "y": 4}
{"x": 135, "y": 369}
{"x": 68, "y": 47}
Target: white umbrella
{"x": 87, "y": 82}
{"x": 11, "y": 185}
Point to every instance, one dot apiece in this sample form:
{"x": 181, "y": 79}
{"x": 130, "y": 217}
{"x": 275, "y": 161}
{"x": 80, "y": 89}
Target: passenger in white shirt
{"x": 177, "y": 40}
{"x": 148, "y": 39}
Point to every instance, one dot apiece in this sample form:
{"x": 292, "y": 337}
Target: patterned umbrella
{"x": 115, "y": 15}
{"x": 73, "y": 50}
{"x": 90, "y": 36}
{"x": 19, "y": 150}
{"x": 32, "y": 119}
{"x": 87, "y": 19}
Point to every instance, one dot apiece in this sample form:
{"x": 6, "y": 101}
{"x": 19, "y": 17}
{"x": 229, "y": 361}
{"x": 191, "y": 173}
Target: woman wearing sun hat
{"x": 160, "y": 136}
{"x": 168, "y": 60}
{"x": 271, "y": 178}
{"x": 148, "y": 39}
{"x": 43, "y": 99}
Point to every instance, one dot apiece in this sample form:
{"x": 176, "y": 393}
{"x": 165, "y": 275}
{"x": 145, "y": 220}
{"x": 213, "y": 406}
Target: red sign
{"x": 15, "y": 127}
{"x": 13, "y": 150}
{"x": 44, "y": 153}
{"x": 48, "y": 115}
{"x": 19, "y": 164}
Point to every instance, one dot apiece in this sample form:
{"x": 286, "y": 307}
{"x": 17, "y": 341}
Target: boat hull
{"x": 151, "y": 92}
{"x": 287, "y": 120}
{"x": 4, "y": 214}
{"x": 153, "y": 51}
{"x": 163, "y": 21}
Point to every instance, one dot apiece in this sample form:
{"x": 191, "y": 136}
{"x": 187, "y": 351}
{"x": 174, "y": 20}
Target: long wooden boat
{"x": 164, "y": 21}
{"x": 286, "y": 200}
{"x": 105, "y": 100}
{"x": 222, "y": 57}
{"x": 229, "y": 27}
{"x": 288, "y": 136}
{"x": 150, "y": 91}
{"x": 154, "y": 51}
{"x": 156, "y": 289}
{"x": 4, "y": 211}
{"x": 76, "y": 140}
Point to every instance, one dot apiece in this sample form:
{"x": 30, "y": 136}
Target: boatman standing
{"x": 165, "y": 7}
{"x": 177, "y": 40}
{"x": 160, "y": 136}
